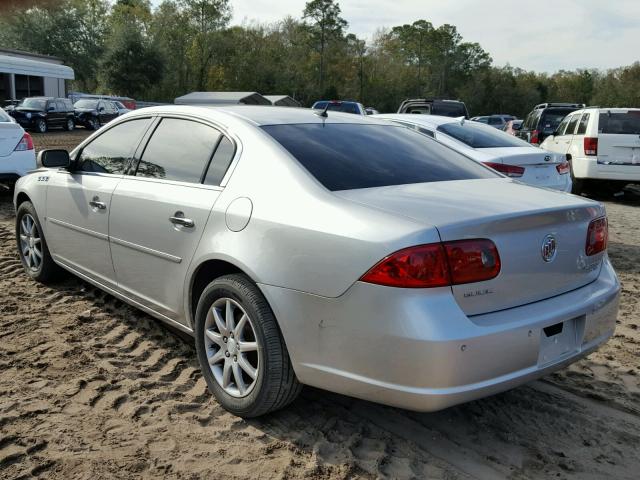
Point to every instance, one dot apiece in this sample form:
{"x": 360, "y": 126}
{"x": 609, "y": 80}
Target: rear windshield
{"x": 627, "y": 123}
{"x": 478, "y": 135}
{"x": 86, "y": 104}
{"x": 352, "y": 156}
{"x": 449, "y": 109}
{"x": 345, "y": 107}
{"x": 4, "y": 117}
{"x": 552, "y": 118}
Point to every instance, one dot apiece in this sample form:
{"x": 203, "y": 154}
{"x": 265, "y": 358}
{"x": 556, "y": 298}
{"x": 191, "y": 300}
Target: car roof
{"x": 260, "y": 115}
{"x": 426, "y": 120}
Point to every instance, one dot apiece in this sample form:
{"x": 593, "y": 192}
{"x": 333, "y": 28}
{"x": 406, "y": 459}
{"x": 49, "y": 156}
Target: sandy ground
{"x": 91, "y": 388}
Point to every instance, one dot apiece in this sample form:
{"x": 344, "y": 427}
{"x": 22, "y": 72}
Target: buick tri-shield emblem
{"x": 549, "y": 249}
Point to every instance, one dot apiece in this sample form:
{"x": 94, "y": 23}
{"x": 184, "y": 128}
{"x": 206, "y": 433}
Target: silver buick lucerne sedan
{"x": 324, "y": 249}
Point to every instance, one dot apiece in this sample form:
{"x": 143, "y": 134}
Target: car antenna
{"x": 323, "y": 113}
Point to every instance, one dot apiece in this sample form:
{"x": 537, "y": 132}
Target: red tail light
{"x": 437, "y": 265}
{"x": 26, "y": 143}
{"x": 590, "y": 146}
{"x": 508, "y": 170}
{"x": 597, "y": 236}
{"x": 563, "y": 168}
{"x": 472, "y": 260}
{"x": 415, "y": 267}
{"x": 534, "y": 137}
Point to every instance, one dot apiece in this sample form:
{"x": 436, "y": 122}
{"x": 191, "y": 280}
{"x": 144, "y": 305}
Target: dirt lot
{"x": 92, "y": 388}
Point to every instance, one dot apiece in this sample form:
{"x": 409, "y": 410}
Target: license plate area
{"x": 557, "y": 341}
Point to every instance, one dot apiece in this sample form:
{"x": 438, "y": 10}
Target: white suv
{"x": 601, "y": 144}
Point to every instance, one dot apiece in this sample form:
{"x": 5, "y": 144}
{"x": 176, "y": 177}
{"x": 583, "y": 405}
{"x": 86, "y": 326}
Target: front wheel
{"x": 240, "y": 349}
{"x": 32, "y": 246}
{"x": 41, "y": 126}
{"x": 70, "y": 125}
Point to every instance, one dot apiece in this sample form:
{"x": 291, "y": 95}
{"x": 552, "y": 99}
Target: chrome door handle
{"x": 97, "y": 204}
{"x": 179, "y": 219}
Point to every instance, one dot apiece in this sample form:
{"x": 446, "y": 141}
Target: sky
{"x": 540, "y": 35}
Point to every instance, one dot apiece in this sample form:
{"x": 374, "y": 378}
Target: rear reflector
{"x": 590, "y": 146}
{"x": 563, "y": 168}
{"x": 437, "y": 265}
{"x": 26, "y": 143}
{"x": 508, "y": 170}
{"x": 597, "y": 236}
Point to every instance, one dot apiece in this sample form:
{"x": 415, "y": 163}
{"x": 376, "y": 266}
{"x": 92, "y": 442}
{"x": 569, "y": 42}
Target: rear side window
{"x": 178, "y": 150}
{"x": 495, "y": 121}
{"x": 220, "y": 162}
{"x": 112, "y": 151}
{"x": 626, "y": 123}
{"x": 477, "y": 135}
{"x": 582, "y": 127}
{"x": 352, "y": 156}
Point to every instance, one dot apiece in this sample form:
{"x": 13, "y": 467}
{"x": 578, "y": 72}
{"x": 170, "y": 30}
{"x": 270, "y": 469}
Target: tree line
{"x": 127, "y": 47}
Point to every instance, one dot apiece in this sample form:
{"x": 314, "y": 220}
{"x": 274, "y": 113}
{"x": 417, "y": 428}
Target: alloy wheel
{"x": 42, "y": 126}
{"x": 232, "y": 347}
{"x": 30, "y": 242}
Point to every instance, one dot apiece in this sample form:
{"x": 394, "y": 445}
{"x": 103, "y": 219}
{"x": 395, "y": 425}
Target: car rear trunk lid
{"x": 10, "y": 135}
{"x": 519, "y": 219}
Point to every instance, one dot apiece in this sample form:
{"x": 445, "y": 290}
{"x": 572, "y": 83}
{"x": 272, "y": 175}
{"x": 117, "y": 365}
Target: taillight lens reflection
{"x": 472, "y": 260}
{"x": 26, "y": 143}
{"x": 597, "y": 236}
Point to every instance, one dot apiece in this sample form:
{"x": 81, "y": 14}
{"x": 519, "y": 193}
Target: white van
{"x": 601, "y": 144}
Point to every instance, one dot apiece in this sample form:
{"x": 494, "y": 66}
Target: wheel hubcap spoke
{"x": 30, "y": 242}
{"x": 231, "y": 345}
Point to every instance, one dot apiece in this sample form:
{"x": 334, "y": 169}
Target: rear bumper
{"x": 416, "y": 349}
{"x": 17, "y": 165}
{"x": 588, "y": 167}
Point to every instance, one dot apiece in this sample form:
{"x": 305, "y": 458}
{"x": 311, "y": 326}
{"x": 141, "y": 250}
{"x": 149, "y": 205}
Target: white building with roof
{"x": 24, "y": 74}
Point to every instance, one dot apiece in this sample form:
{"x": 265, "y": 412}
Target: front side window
{"x": 112, "y": 151}
{"x": 573, "y": 121}
{"x": 352, "y": 156}
{"x": 178, "y": 150}
{"x": 476, "y": 135}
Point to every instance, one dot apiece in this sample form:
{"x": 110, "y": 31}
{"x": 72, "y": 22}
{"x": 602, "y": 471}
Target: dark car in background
{"x": 496, "y": 121}
{"x": 543, "y": 120}
{"x": 93, "y": 113}
{"x": 42, "y": 113}
{"x": 345, "y": 106}
{"x": 434, "y": 106}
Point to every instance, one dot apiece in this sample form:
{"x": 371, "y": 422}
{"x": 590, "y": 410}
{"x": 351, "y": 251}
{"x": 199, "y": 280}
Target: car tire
{"x": 34, "y": 255}
{"x": 70, "y": 125}
{"x": 93, "y": 124}
{"x": 275, "y": 384}
{"x": 41, "y": 125}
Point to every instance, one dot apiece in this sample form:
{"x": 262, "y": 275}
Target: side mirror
{"x": 53, "y": 159}
{"x": 51, "y": 109}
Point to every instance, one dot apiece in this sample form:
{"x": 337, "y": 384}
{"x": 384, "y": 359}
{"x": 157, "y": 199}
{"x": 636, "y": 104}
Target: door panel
{"x": 151, "y": 254}
{"x": 77, "y": 222}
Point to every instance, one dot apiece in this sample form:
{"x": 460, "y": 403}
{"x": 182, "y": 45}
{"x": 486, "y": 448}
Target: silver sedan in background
{"x": 332, "y": 250}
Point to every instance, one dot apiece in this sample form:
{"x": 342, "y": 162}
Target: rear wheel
{"x": 240, "y": 349}
{"x": 93, "y": 124}
{"x": 32, "y": 246}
